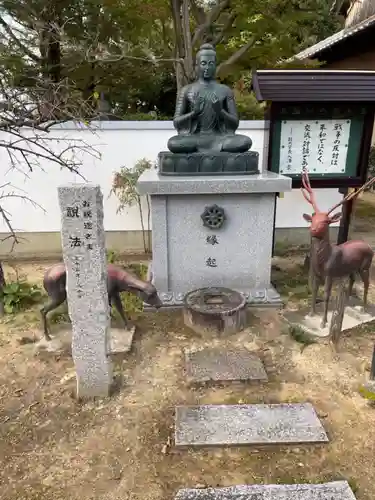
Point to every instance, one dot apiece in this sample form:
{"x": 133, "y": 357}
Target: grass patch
{"x": 284, "y": 249}
{"x": 365, "y": 210}
{"x": 299, "y": 335}
{"x": 291, "y": 283}
{"x": 132, "y": 304}
{"x": 365, "y": 328}
{"x": 367, "y": 391}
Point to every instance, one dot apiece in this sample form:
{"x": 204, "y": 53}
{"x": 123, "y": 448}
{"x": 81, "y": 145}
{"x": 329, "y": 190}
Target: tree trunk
{"x": 185, "y": 72}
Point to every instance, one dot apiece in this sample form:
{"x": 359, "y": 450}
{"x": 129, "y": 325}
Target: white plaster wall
{"x": 119, "y": 144}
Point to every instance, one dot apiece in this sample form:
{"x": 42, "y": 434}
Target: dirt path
{"x": 53, "y": 448}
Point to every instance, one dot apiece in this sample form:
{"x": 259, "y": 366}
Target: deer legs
{"x": 116, "y": 300}
{"x": 315, "y": 282}
{"x": 327, "y": 295}
{"x": 365, "y": 275}
{"x": 54, "y": 303}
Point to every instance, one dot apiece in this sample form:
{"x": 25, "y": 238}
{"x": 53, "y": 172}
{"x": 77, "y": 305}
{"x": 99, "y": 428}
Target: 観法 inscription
{"x": 321, "y": 146}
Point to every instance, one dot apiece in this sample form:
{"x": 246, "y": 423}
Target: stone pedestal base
{"x": 255, "y": 297}
{"x": 213, "y": 231}
{"x": 208, "y": 163}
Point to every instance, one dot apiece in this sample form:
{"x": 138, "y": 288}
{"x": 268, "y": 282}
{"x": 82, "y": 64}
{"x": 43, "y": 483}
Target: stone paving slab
{"x": 353, "y": 317}
{"x": 258, "y": 424}
{"x": 337, "y": 490}
{"x": 221, "y": 365}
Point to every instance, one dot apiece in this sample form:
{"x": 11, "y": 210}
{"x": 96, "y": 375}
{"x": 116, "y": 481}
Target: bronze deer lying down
{"x": 118, "y": 280}
{"x": 334, "y": 261}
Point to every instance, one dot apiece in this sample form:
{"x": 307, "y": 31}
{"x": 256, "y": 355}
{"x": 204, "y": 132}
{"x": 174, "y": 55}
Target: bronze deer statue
{"x": 329, "y": 262}
{"x": 118, "y": 280}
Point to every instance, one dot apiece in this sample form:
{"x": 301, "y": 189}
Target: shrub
{"x": 18, "y": 295}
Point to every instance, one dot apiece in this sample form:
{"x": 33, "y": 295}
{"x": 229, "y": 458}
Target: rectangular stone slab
{"x": 223, "y": 365}
{"x": 258, "y": 424}
{"x": 337, "y": 490}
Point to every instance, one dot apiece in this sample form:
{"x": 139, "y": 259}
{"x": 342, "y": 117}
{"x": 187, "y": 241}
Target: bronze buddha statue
{"x": 206, "y": 115}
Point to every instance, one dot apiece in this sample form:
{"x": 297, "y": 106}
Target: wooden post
{"x": 345, "y": 219}
{"x": 372, "y": 369}
{"x": 2, "y": 284}
{"x": 338, "y": 313}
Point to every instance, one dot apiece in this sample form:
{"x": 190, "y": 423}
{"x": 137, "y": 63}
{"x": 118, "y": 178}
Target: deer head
{"x": 320, "y": 221}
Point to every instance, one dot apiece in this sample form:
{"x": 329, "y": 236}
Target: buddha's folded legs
{"x": 183, "y": 144}
{"x": 236, "y": 144}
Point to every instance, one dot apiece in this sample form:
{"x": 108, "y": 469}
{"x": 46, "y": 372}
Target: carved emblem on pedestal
{"x": 213, "y": 217}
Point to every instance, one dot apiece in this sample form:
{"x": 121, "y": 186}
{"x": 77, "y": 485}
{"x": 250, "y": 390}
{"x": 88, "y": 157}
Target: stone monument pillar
{"x": 83, "y": 244}
{"x": 212, "y": 210}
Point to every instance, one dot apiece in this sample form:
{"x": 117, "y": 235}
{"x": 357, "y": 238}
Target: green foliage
{"x": 124, "y": 186}
{"x": 18, "y": 295}
{"x": 299, "y": 335}
{"x": 248, "y": 107}
{"x": 126, "y": 51}
{"x": 292, "y": 283}
{"x": 371, "y": 162}
{"x": 112, "y": 256}
{"x": 368, "y": 391}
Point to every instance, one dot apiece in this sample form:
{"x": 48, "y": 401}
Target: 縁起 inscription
{"x": 321, "y": 146}
{"x": 210, "y": 262}
{"x": 211, "y": 239}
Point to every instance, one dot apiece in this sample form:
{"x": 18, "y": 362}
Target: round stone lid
{"x": 214, "y": 301}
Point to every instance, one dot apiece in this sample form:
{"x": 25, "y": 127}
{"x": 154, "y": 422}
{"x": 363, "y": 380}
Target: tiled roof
{"x": 334, "y": 39}
{"x": 314, "y": 85}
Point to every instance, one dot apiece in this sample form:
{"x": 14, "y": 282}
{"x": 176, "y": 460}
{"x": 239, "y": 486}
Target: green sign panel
{"x": 325, "y": 140}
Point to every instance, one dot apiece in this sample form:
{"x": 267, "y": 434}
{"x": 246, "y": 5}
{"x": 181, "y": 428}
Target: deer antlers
{"x": 307, "y": 191}
{"x": 354, "y": 194}
{"x": 309, "y": 196}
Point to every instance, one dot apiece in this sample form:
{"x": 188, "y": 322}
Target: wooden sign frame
{"x": 361, "y": 117}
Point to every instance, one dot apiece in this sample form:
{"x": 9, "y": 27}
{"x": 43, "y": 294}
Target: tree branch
{"x": 198, "y": 12}
{"x": 228, "y": 23}
{"x": 186, "y": 34}
{"x": 211, "y": 17}
{"x": 236, "y": 56}
{"x": 16, "y": 40}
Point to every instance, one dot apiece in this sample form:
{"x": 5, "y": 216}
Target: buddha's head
{"x": 206, "y": 62}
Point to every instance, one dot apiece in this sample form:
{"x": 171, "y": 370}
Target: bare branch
{"x": 17, "y": 41}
